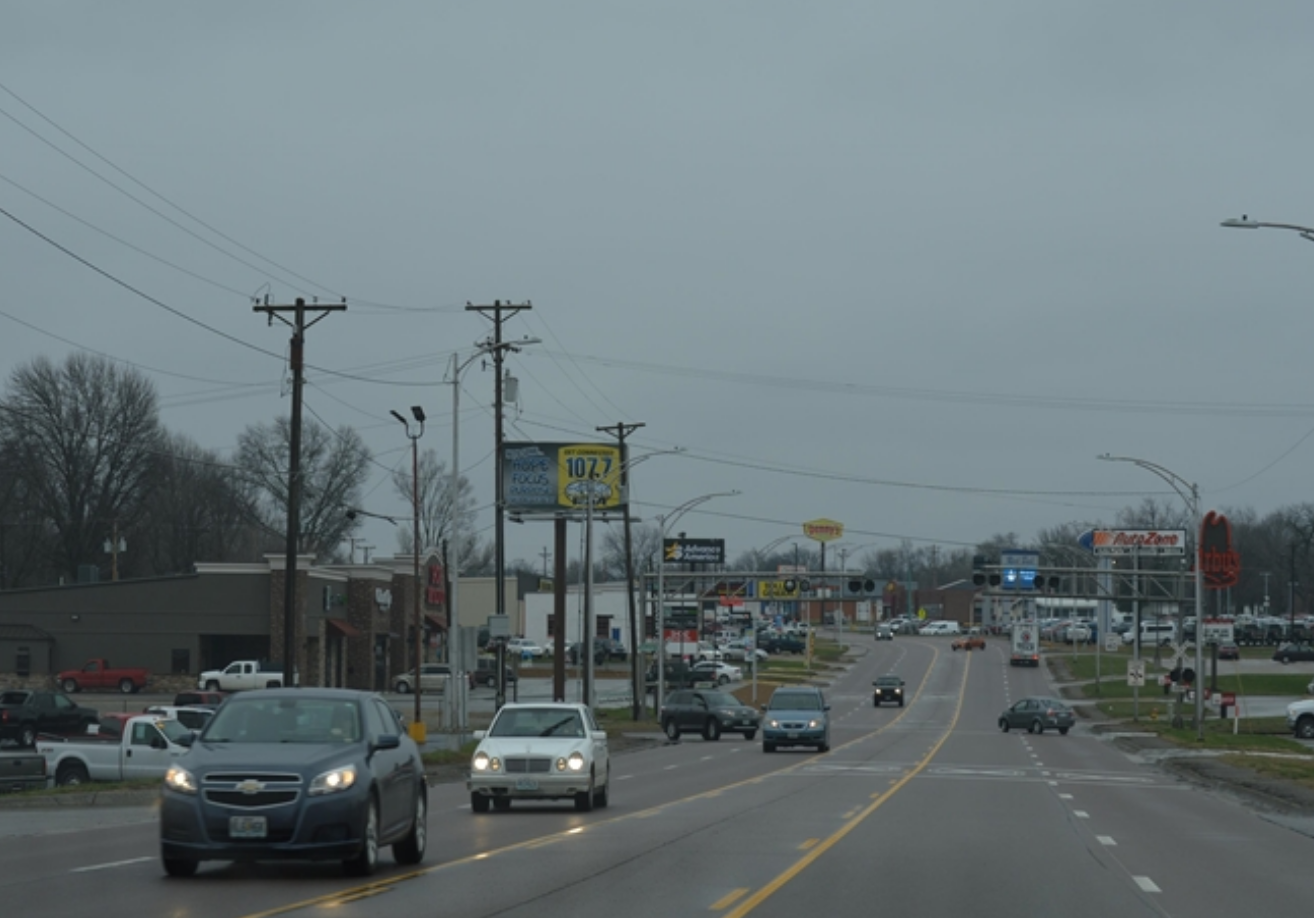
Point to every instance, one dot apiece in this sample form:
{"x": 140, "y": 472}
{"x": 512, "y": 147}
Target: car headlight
{"x": 484, "y": 762}
{"x": 773, "y": 723}
{"x": 330, "y": 782}
{"x": 575, "y": 762}
{"x": 180, "y": 780}
{"x": 814, "y": 724}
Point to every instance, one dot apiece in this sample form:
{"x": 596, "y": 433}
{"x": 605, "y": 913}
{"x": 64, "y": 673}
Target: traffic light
{"x": 791, "y": 585}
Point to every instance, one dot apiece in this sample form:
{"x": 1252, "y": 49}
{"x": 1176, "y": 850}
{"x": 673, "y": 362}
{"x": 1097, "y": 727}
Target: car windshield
{"x": 284, "y": 720}
{"x": 553, "y": 722}
{"x": 796, "y": 701}
{"x": 889, "y": 682}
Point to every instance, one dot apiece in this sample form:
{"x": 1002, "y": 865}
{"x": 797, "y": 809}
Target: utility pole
{"x": 296, "y": 364}
{"x": 620, "y": 431}
{"x": 545, "y": 554}
{"x": 499, "y": 312}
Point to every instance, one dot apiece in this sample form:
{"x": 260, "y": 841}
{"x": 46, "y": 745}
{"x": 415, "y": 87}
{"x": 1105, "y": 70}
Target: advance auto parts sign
{"x": 694, "y": 551}
{"x": 547, "y": 478}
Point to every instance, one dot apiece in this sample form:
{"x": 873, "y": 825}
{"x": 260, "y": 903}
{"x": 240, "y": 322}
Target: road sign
{"x": 1181, "y": 653}
{"x": 1136, "y": 672}
{"x": 1217, "y": 631}
{"x": 1112, "y": 641}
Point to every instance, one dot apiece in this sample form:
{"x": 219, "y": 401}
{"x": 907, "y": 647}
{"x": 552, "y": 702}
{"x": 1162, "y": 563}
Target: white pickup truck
{"x": 1300, "y": 717}
{"x": 145, "y": 749}
{"x": 241, "y": 675}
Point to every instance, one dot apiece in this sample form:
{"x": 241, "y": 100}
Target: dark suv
{"x": 485, "y": 673}
{"x": 707, "y": 712}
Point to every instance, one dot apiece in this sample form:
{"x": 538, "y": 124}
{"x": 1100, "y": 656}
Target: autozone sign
{"x": 1145, "y": 542}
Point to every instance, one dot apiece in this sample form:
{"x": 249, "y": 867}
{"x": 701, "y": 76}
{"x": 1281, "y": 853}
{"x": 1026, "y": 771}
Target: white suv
{"x": 1300, "y": 718}
{"x": 937, "y": 628}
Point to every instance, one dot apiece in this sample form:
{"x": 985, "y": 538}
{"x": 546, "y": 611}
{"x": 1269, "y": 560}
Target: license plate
{"x": 247, "y": 827}
{"x": 527, "y": 784}
{"x": 791, "y": 736}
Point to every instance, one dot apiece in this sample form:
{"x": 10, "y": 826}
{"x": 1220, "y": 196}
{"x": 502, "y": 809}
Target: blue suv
{"x": 796, "y": 716}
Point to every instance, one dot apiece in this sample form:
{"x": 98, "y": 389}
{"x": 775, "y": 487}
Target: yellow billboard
{"x": 823, "y": 530}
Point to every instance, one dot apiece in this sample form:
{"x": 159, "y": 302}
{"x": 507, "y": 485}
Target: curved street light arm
{"x": 1245, "y": 222}
{"x": 1191, "y": 494}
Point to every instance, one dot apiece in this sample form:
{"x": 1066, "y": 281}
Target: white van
{"x": 941, "y": 627}
{"x": 1161, "y": 632}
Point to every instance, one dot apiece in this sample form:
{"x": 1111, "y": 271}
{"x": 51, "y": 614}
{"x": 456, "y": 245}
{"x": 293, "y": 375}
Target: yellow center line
{"x": 728, "y": 899}
{"x": 817, "y": 851}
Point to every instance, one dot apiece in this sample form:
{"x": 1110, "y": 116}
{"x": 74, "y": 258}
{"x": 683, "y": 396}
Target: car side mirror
{"x": 387, "y": 741}
{"x": 598, "y": 736}
{"x": 158, "y": 742}
{"x": 825, "y": 707}
{"x": 479, "y": 734}
{"x": 186, "y": 739}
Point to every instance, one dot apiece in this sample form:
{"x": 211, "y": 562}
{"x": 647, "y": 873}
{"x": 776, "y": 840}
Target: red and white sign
{"x": 1146, "y": 542}
{"x": 732, "y": 601}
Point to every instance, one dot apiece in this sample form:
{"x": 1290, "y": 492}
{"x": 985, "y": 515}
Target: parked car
{"x": 796, "y": 716}
{"x": 98, "y": 674}
{"x": 296, "y": 774}
{"x": 676, "y": 674}
{"x": 785, "y": 643}
{"x": 433, "y": 678}
{"x": 1229, "y": 652}
{"x": 887, "y": 688}
{"x": 1038, "y": 715}
{"x": 884, "y": 632}
{"x": 22, "y": 772}
{"x": 199, "y": 699}
{"x": 25, "y": 713}
{"x": 241, "y": 675}
{"x": 524, "y": 648}
{"x": 1300, "y": 717}
{"x": 574, "y": 654}
{"x": 543, "y": 751}
{"x": 1294, "y": 653}
{"x": 720, "y": 673}
{"x": 145, "y": 747}
{"x": 708, "y": 713}
{"x": 485, "y": 672}
{"x": 614, "y": 649}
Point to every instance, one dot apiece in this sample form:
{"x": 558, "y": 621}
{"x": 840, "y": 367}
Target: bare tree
{"x": 444, "y": 515}
{"x": 84, "y": 437}
{"x": 200, "y": 510}
{"x": 333, "y": 466}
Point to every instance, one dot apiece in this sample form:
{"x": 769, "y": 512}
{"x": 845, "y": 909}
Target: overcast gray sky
{"x": 908, "y": 266}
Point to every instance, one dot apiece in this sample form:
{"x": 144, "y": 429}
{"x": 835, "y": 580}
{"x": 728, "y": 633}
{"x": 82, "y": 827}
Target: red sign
{"x": 732, "y": 601}
{"x": 1228, "y": 699}
{"x": 1219, "y": 561}
{"x": 435, "y": 590}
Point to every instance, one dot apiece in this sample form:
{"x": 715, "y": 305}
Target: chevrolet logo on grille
{"x": 250, "y": 786}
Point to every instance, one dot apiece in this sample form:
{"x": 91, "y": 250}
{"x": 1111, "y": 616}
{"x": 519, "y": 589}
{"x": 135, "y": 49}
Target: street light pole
{"x": 1190, "y": 493}
{"x": 417, "y": 726}
{"x": 670, "y": 519}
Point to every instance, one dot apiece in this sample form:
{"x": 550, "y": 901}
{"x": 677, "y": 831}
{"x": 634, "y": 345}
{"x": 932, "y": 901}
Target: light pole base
{"x": 418, "y": 732}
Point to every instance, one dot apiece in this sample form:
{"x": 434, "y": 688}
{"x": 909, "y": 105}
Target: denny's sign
{"x": 823, "y": 530}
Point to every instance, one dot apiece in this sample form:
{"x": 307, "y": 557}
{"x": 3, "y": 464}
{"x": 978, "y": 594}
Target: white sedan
{"x": 543, "y": 751}
{"x": 524, "y": 647}
{"x": 718, "y": 672}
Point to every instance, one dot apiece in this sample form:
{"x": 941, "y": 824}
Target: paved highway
{"x": 924, "y": 810}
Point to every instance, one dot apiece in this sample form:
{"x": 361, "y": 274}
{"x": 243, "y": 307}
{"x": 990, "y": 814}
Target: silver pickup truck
{"x": 146, "y": 748}
{"x": 22, "y": 771}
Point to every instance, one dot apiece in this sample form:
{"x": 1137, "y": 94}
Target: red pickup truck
{"x": 98, "y": 674}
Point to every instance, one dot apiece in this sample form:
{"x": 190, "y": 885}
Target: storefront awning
{"x": 343, "y": 627}
{"x": 435, "y": 621}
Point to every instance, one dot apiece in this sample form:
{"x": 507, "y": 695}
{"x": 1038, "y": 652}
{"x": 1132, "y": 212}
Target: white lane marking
{"x": 624, "y": 777}
{"x": 1146, "y": 884}
{"x": 1065, "y": 796}
{"x": 1106, "y": 840}
{"x": 1081, "y": 814}
{"x": 706, "y": 758}
{"x": 135, "y": 860}
{"x": 670, "y": 767}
